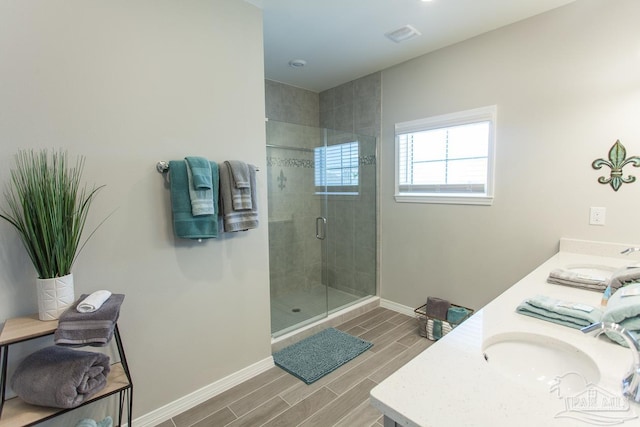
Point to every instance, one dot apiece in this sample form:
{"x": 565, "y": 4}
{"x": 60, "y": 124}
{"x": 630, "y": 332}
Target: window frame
{"x": 488, "y": 113}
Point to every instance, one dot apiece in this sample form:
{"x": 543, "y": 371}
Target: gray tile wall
{"x": 290, "y": 104}
{"x": 354, "y": 106}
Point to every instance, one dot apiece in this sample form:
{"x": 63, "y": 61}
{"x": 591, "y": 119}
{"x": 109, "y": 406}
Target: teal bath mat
{"x": 316, "y": 356}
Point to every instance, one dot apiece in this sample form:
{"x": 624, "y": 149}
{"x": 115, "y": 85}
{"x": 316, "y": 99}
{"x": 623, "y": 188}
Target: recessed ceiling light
{"x": 297, "y": 63}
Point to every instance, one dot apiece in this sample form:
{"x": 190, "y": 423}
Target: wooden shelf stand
{"x": 15, "y": 412}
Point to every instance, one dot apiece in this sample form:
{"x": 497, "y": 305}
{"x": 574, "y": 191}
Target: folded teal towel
{"x": 571, "y": 314}
{"x": 623, "y": 308}
{"x": 200, "y": 191}
{"x": 201, "y": 172}
{"x": 185, "y": 225}
{"x": 456, "y": 315}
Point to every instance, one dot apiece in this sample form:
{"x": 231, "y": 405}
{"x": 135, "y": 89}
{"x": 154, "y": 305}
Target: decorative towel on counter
{"x": 240, "y": 184}
{"x": 185, "y": 225}
{"x": 60, "y": 377}
{"x": 200, "y": 180}
{"x": 571, "y": 314}
{"x": 93, "y": 302}
{"x": 623, "y": 308}
{"x": 234, "y": 219}
{"x": 94, "y": 329}
{"x": 624, "y": 277}
{"x": 576, "y": 279}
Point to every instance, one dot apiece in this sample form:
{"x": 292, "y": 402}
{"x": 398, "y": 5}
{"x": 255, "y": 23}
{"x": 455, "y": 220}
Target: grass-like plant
{"x": 48, "y": 206}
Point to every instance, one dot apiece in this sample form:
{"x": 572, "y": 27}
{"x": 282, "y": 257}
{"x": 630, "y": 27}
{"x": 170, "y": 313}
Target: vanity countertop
{"x": 451, "y": 384}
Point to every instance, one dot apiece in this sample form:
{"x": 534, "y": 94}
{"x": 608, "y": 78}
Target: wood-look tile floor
{"x": 275, "y": 398}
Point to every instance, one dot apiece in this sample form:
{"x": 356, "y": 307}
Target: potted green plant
{"x": 48, "y": 207}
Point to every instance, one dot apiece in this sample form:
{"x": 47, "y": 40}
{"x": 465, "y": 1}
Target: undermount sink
{"x": 540, "y": 361}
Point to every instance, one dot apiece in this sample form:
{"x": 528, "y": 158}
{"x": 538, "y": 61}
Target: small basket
{"x": 427, "y": 324}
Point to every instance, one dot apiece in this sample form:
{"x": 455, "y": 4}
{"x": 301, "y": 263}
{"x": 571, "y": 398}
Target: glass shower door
{"x": 296, "y": 227}
{"x": 322, "y": 222}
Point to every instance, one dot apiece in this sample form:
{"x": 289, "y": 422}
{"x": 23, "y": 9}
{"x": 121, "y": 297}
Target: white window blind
{"x": 336, "y": 167}
{"x": 446, "y": 159}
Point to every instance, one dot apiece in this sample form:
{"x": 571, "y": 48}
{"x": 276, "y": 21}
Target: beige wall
{"x": 128, "y": 83}
{"x": 567, "y": 85}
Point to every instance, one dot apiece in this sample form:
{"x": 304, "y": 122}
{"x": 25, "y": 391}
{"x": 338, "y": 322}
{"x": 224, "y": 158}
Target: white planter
{"x": 54, "y": 296}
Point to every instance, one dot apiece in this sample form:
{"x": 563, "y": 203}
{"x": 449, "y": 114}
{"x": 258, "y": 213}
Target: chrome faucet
{"x": 631, "y": 381}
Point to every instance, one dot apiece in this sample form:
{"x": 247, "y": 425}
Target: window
{"x": 447, "y": 159}
{"x": 337, "y": 168}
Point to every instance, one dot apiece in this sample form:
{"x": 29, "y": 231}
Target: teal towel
{"x": 455, "y": 315}
{"x": 437, "y": 329}
{"x": 200, "y": 191}
{"x": 201, "y": 172}
{"x": 185, "y": 225}
{"x": 623, "y": 308}
{"x": 571, "y": 314}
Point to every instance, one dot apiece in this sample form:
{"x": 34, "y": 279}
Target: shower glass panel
{"x": 322, "y": 222}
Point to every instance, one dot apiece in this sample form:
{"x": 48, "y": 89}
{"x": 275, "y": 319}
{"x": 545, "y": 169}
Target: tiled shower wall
{"x": 351, "y": 108}
{"x": 355, "y": 107}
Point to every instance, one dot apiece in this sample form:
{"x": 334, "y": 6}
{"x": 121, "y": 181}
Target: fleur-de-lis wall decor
{"x": 281, "y": 180}
{"x": 617, "y": 161}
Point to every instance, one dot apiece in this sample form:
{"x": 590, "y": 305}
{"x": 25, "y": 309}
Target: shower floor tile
{"x": 304, "y": 305}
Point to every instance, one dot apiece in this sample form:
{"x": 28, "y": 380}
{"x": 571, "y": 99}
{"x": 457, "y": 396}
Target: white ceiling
{"x": 342, "y": 40}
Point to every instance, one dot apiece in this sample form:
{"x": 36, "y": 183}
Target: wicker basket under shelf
{"x": 425, "y": 322}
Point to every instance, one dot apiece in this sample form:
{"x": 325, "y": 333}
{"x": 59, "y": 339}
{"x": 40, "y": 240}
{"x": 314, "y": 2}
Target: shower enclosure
{"x": 322, "y": 222}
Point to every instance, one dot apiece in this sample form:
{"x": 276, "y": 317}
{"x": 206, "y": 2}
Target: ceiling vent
{"x": 401, "y": 34}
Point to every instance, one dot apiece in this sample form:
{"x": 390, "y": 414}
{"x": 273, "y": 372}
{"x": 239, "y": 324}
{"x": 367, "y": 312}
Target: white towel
{"x": 93, "y": 302}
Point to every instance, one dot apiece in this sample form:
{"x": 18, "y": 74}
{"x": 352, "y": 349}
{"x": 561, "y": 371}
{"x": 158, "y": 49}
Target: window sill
{"x": 445, "y": 200}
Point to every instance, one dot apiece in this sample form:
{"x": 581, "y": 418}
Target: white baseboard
{"x": 396, "y": 307}
{"x": 187, "y": 402}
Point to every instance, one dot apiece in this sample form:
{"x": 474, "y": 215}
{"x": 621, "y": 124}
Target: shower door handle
{"x": 321, "y": 228}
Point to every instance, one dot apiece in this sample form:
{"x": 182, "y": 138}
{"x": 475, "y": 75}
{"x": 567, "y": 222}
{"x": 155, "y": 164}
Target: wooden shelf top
{"x": 17, "y": 413}
{"x": 23, "y": 328}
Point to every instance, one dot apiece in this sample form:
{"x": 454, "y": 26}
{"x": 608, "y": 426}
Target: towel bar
{"x": 163, "y": 167}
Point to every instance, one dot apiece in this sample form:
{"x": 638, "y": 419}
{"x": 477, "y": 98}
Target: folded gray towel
{"x": 560, "y": 276}
{"x": 240, "y": 179}
{"x": 437, "y": 307}
{"x": 60, "y": 377}
{"x": 239, "y": 173}
{"x": 624, "y": 277}
{"x": 95, "y": 329}
{"x": 233, "y": 219}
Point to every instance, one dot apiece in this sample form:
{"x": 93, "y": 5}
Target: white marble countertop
{"x": 451, "y": 384}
